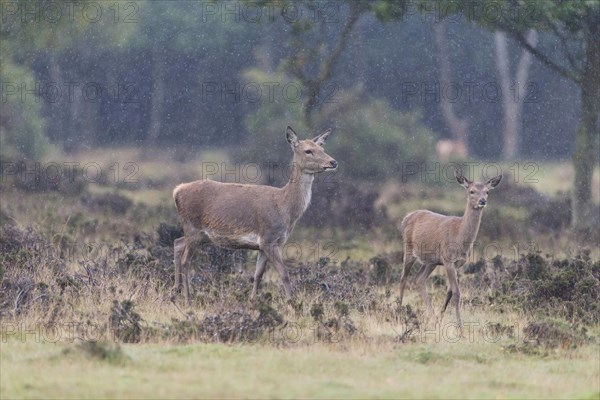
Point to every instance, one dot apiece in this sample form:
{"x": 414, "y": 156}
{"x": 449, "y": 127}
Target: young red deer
{"x": 255, "y": 217}
{"x": 436, "y": 239}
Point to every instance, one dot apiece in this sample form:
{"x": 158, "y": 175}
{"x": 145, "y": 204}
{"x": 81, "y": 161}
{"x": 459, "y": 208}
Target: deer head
{"x": 309, "y": 155}
{"x": 477, "y": 191}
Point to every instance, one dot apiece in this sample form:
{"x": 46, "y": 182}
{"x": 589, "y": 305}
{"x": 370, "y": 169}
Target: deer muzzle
{"x": 332, "y": 165}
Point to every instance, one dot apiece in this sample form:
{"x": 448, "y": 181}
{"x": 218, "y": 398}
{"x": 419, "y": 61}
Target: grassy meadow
{"x": 87, "y": 308}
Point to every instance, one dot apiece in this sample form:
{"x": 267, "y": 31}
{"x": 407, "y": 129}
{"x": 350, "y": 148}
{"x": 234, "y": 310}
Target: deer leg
{"x": 237, "y": 262}
{"x": 178, "y": 248}
{"x": 274, "y": 254}
{"x": 261, "y": 267}
{"x": 409, "y": 260}
{"x": 193, "y": 239}
{"x": 421, "y": 285}
{"x": 185, "y": 259}
{"x": 448, "y": 297}
{"x": 459, "y": 263}
{"x": 453, "y": 284}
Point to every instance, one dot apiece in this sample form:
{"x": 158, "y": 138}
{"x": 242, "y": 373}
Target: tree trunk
{"x": 56, "y": 128}
{"x": 459, "y": 127}
{"x": 512, "y": 97}
{"x": 585, "y": 157}
{"x": 158, "y": 94}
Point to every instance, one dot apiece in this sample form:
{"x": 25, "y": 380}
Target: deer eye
{"x": 308, "y": 151}
{"x": 472, "y": 192}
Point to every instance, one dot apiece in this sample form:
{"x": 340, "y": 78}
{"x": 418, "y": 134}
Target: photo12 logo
{"x": 486, "y": 252}
{"x": 469, "y": 92}
{"x": 472, "y": 331}
{"x": 460, "y": 10}
{"x": 68, "y": 172}
{"x": 256, "y": 12}
{"x": 68, "y": 92}
{"x": 254, "y": 173}
{"x": 265, "y": 92}
{"x": 51, "y": 333}
{"x": 436, "y": 172}
{"x": 55, "y": 12}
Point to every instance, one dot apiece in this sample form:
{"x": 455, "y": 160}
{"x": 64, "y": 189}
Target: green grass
{"x": 551, "y": 178}
{"x": 371, "y": 363}
{"x": 432, "y": 370}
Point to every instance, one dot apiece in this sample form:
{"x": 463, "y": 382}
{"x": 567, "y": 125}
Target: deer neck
{"x": 469, "y": 225}
{"x": 297, "y": 193}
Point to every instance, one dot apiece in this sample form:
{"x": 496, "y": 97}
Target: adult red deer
{"x": 447, "y": 150}
{"x": 255, "y": 217}
{"x": 436, "y": 239}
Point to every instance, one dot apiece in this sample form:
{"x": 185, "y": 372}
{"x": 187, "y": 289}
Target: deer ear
{"x": 322, "y": 138}
{"x": 461, "y": 179}
{"x": 291, "y": 137}
{"x": 492, "y": 183}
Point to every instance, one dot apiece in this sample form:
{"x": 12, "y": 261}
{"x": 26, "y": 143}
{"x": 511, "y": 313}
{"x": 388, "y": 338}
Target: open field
{"x": 431, "y": 370}
{"x": 419, "y": 180}
{"x": 86, "y": 302}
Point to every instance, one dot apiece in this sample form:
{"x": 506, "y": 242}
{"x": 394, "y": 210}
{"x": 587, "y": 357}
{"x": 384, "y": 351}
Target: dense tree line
{"x": 174, "y": 78}
{"x": 205, "y": 73}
